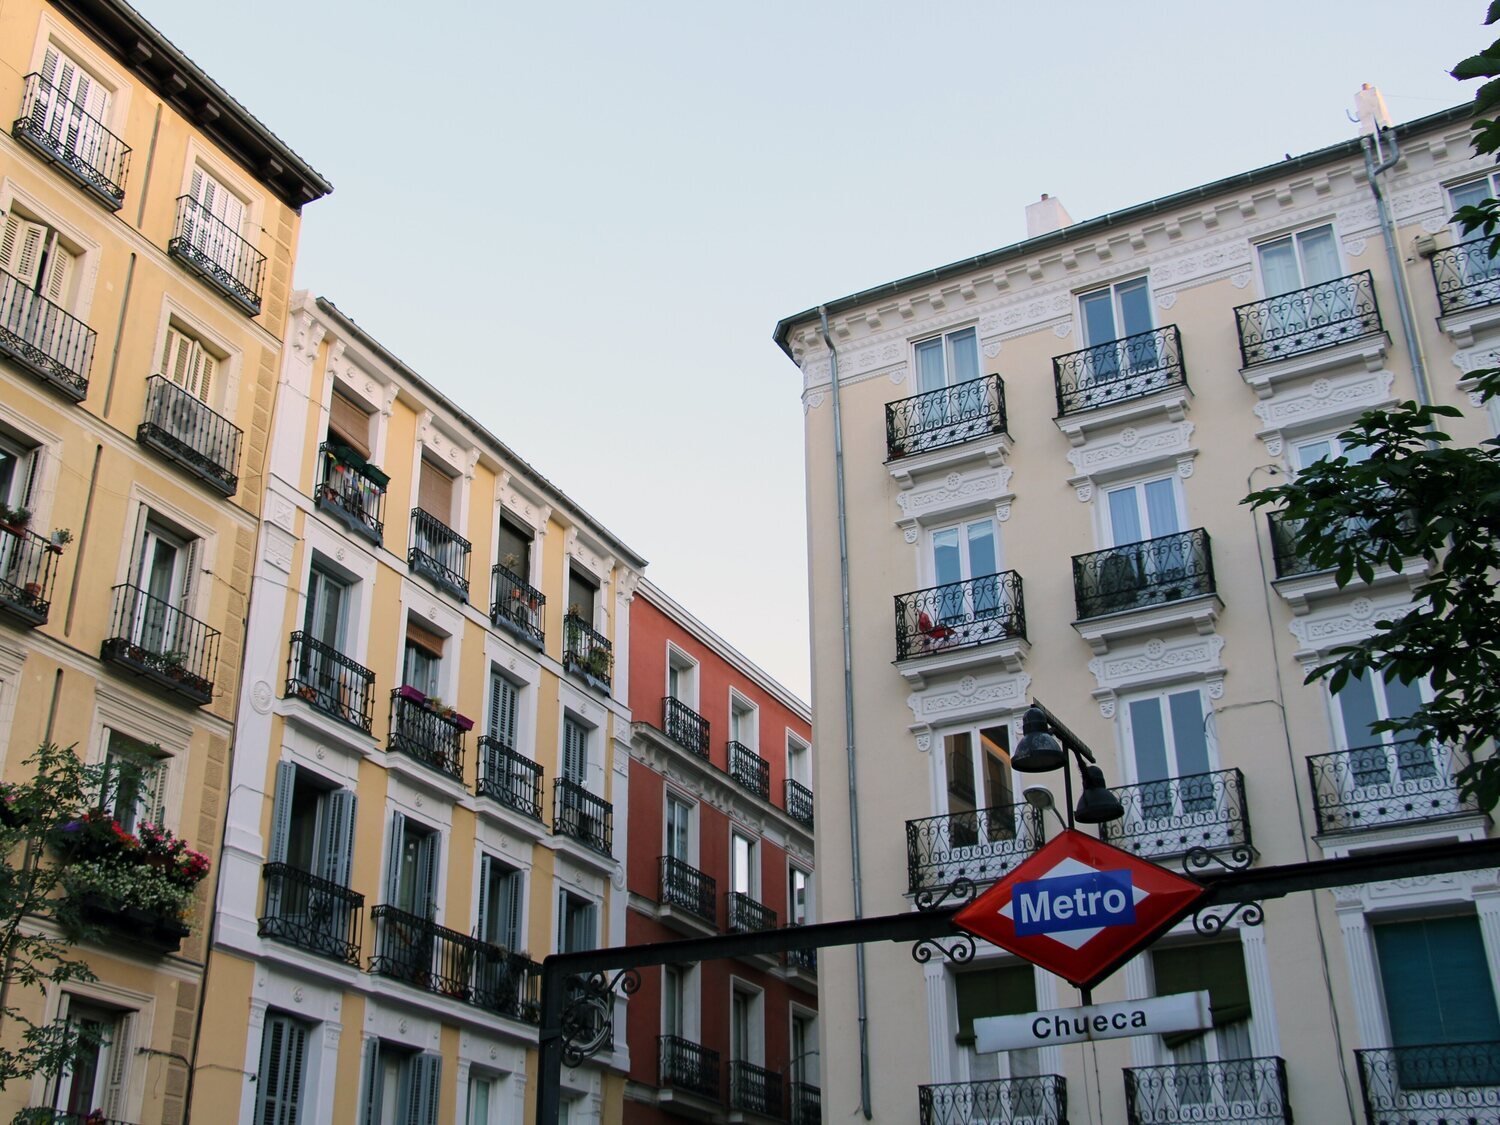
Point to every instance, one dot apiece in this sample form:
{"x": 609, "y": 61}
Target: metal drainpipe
{"x": 859, "y": 950}
{"x": 1398, "y": 267}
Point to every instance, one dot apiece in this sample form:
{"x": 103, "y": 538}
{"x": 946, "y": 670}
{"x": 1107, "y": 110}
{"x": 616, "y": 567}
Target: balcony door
{"x": 19, "y": 555}
{"x": 1006, "y": 990}
{"x": 1170, "y": 759}
{"x": 1475, "y": 267}
{"x": 323, "y": 625}
{"x": 1213, "y": 1081}
{"x": 164, "y": 584}
{"x": 965, "y": 561}
{"x": 1114, "y": 313}
{"x": 218, "y": 221}
{"x": 1385, "y": 763}
{"x": 1300, "y": 260}
{"x": 679, "y": 829}
{"x": 942, "y": 362}
{"x": 1136, "y": 513}
{"x": 71, "y": 107}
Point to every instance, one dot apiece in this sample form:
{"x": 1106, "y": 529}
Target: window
{"x": 220, "y": 220}
{"x": 72, "y": 108}
{"x": 582, "y": 591}
{"x": 1305, "y": 453}
{"x": 1298, "y": 261}
{"x": 514, "y": 548}
{"x": 1374, "y": 756}
{"x": 401, "y": 1085}
{"x": 1119, "y": 310}
{"x": 745, "y": 1032}
{"x": 312, "y": 824}
{"x": 1436, "y": 982}
{"x": 673, "y": 1000}
{"x": 34, "y": 254}
{"x": 682, "y": 679}
{"x": 188, "y": 364}
{"x": 502, "y": 894}
{"x": 162, "y": 574}
{"x": 422, "y": 659}
{"x": 1005, "y": 991}
{"x": 679, "y": 829}
{"x": 804, "y": 1046}
{"x": 575, "y": 760}
{"x": 742, "y": 723}
{"x": 348, "y": 423}
{"x": 100, "y": 1071}
{"x": 1143, "y": 510}
{"x": 798, "y": 761}
{"x": 1471, "y": 194}
{"x": 18, "y": 466}
{"x": 1168, "y": 739}
{"x": 327, "y": 606}
{"x": 1219, "y": 970}
{"x": 964, "y": 559}
{"x": 278, "y": 1088}
{"x": 577, "y": 925}
{"x": 412, "y": 874}
{"x": 135, "y": 781}
{"x": 742, "y": 872}
{"x": 978, "y": 770}
{"x": 796, "y": 896}
{"x": 435, "y": 492}
{"x": 482, "y": 1095}
{"x": 946, "y": 361}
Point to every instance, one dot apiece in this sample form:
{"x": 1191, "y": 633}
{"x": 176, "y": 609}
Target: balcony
{"x": 28, "y": 565}
{"x": 750, "y": 770}
{"x": 799, "y": 802}
{"x": 1241, "y": 1090}
{"x": 980, "y": 844}
{"x": 1118, "y": 371}
{"x": 157, "y": 641}
{"x": 807, "y": 1104}
{"x": 44, "y": 1116}
{"x": 801, "y": 961}
{"x": 754, "y": 1089}
{"x": 685, "y": 726}
{"x": 1466, "y": 277}
{"x": 684, "y": 887}
{"x": 61, "y": 132}
{"x": 1291, "y": 563}
{"x": 743, "y": 915}
{"x": 510, "y": 778}
{"x": 945, "y": 621}
{"x": 214, "y": 251}
{"x": 439, "y": 554}
{"x": 352, "y": 491}
{"x": 426, "y": 734}
{"x": 687, "y": 1067}
{"x": 580, "y": 814}
{"x": 329, "y": 681}
{"x": 419, "y": 952}
{"x": 1173, "y": 816}
{"x": 1401, "y": 782}
{"x": 312, "y": 913}
{"x": 1307, "y": 320}
{"x": 1038, "y": 1100}
{"x": 43, "y": 340}
{"x": 587, "y": 653}
{"x": 1152, "y": 574}
{"x": 945, "y": 417}
{"x": 517, "y": 607}
{"x": 1443, "y": 1084}
{"x": 183, "y": 430}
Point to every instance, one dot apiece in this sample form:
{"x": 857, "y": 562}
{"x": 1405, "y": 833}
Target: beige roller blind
{"x": 435, "y": 492}
{"x": 348, "y": 423}
{"x": 424, "y": 638}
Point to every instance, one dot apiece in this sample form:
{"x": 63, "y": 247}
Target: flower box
{"x": 411, "y": 694}
{"x": 463, "y": 722}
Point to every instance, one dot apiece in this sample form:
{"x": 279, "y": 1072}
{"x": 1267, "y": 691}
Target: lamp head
{"x": 1098, "y": 804}
{"x": 1038, "y": 797}
{"x": 1038, "y": 751}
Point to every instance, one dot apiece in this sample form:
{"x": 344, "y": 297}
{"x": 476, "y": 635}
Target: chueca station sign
{"x": 1158, "y": 1015}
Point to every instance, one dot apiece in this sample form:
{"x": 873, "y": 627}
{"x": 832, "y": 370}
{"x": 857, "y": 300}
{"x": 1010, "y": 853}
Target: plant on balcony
{"x": 15, "y": 520}
{"x": 147, "y": 878}
{"x": 61, "y": 537}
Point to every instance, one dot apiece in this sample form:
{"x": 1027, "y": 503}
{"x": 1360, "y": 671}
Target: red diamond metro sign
{"x": 1080, "y": 908}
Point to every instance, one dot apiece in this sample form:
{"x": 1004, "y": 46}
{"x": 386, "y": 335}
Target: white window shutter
{"x": 370, "y": 1111}
{"x": 510, "y": 917}
{"x": 207, "y": 364}
{"x": 154, "y": 786}
{"x": 60, "y": 263}
{"x": 281, "y": 812}
{"x": 117, "y": 1076}
{"x": 21, "y": 247}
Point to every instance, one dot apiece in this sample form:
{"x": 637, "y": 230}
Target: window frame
{"x": 686, "y": 669}
{"x": 1295, "y": 237}
{"x": 752, "y": 872}
{"x": 947, "y": 338}
{"x": 1108, "y": 535}
{"x": 1130, "y": 770}
{"x": 1114, "y": 290}
{"x": 671, "y": 797}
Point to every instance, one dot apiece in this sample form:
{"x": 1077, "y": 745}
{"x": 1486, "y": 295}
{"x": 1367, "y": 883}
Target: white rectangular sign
{"x": 1184, "y": 1011}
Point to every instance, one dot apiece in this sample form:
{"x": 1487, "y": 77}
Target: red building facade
{"x": 720, "y": 841}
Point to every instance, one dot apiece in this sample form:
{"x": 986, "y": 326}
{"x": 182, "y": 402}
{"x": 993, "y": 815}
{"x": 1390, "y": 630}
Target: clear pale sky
{"x": 582, "y": 220}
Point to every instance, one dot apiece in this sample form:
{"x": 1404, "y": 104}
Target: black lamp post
{"x": 1045, "y": 745}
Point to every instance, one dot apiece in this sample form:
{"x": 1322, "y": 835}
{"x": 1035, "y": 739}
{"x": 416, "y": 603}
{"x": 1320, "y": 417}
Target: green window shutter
{"x": 281, "y": 811}
{"x": 1217, "y": 969}
{"x": 370, "y": 1111}
{"x": 1008, "y": 991}
{"x": 1436, "y": 982}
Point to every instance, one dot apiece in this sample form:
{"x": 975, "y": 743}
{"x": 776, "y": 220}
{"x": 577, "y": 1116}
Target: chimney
{"x": 1045, "y": 216}
{"x": 1369, "y": 107}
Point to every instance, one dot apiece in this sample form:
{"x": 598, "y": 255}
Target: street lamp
{"x": 1044, "y": 746}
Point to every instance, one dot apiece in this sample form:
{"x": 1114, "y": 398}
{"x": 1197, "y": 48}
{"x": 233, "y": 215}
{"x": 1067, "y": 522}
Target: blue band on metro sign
{"x": 1074, "y": 902}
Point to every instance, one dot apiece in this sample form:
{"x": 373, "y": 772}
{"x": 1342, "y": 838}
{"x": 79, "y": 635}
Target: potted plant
{"x": 172, "y": 663}
{"x": 61, "y": 537}
{"x": 14, "y": 520}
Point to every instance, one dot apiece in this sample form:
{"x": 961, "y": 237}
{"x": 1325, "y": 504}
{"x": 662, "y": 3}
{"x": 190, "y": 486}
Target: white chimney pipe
{"x": 1045, "y": 216}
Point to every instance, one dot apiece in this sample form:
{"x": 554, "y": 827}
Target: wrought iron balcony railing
{"x": 439, "y": 554}
{"x": 155, "y": 639}
{"x": 754, "y": 1089}
{"x": 1466, "y": 276}
{"x": 807, "y": 1103}
{"x": 976, "y": 611}
{"x": 1442, "y": 1084}
{"x": 330, "y": 681}
{"x": 803, "y": 960}
{"x": 1175, "y": 815}
{"x": 799, "y": 802}
{"x": 61, "y": 131}
{"x": 510, "y": 777}
{"x": 981, "y": 845}
{"x": 507, "y": 983}
{"x": 1399, "y": 782}
{"x": 1136, "y": 575}
{"x": 1306, "y": 320}
{"x": 685, "y": 1065}
{"x": 421, "y": 953}
{"x": 587, "y": 652}
{"x": 1037, "y": 1100}
{"x": 351, "y": 490}
{"x": 685, "y": 887}
{"x": 425, "y": 734}
{"x": 214, "y": 250}
{"x": 182, "y": 428}
{"x": 585, "y": 817}
{"x": 944, "y": 417}
{"x": 749, "y": 769}
{"x": 685, "y": 726}
{"x": 43, "y": 1116}
{"x": 44, "y": 339}
{"x": 517, "y": 607}
{"x": 1118, "y": 371}
{"x": 743, "y": 915}
{"x": 27, "y": 568}
{"x": 312, "y": 913}
{"x": 1289, "y": 561}
{"x": 1237, "y": 1090}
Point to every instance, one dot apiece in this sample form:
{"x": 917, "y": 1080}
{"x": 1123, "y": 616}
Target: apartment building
{"x": 428, "y": 790}
{"x": 1045, "y": 449}
{"x": 150, "y": 227}
{"x": 720, "y": 841}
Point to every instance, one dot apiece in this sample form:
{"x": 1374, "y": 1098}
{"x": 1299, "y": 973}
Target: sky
{"x": 582, "y": 221}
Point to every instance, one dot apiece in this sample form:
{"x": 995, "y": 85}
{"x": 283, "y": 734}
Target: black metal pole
{"x": 550, "y": 1045}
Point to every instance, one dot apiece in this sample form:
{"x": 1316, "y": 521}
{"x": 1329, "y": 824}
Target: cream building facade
{"x": 1044, "y": 450}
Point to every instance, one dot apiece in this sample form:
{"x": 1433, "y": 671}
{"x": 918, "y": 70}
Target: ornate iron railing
{"x": 685, "y": 726}
{"x": 1306, "y": 320}
{"x": 1442, "y": 1084}
{"x": 587, "y": 652}
{"x": 685, "y": 1065}
{"x": 944, "y": 417}
{"x": 352, "y": 490}
{"x": 312, "y": 913}
{"x": 1152, "y": 572}
{"x": 1466, "y": 276}
{"x": 507, "y": 776}
{"x": 804, "y": 960}
{"x": 42, "y": 1116}
{"x": 806, "y": 1103}
{"x": 181, "y": 427}
{"x": 155, "y": 639}
{"x": 1239, "y": 1090}
{"x": 1036, "y": 1100}
{"x": 687, "y": 888}
{"x": 976, "y": 611}
{"x": 1173, "y": 816}
{"x": 439, "y": 553}
{"x": 420, "y": 732}
{"x": 27, "y": 566}
{"x": 507, "y": 983}
{"x": 587, "y": 818}
{"x": 980, "y": 845}
{"x": 750, "y": 770}
{"x": 213, "y": 250}
{"x": 1290, "y": 562}
{"x": 517, "y": 607}
{"x": 66, "y": 134}
{"x": 754, "y": 1088}
{"x": 44, "y": 339}
{"x": 1399, "y": 782}
{"x": 1118, "y": 371}
{"x": 744, "y": 915}
{"x": 330, "y": 681}
{"x": 799, "y": 801}
{"x": 423, "y": 954}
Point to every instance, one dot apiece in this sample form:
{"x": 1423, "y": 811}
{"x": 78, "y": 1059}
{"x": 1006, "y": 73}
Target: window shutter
{"x": 281, "y": 812}
{"x": 349, "y": 422}
{"x": 393, "y": 868}
{"x": 575, "y": 754}
{"x": 21, "y": 249}
{"x": 581, "y": 591}
{"x": 425, "y": 639}
{"x": 118, "y": 1074}
{"x": 426, "y": 1085}
{"x": 59, "y": 269}
{"x": 337, "y": 845}
{"x": 1219, "y": 969}
{"x": 154, "y": 785}
{"x": 371, "y": 1111}
{"x": 425, "y": 898}
{"x": 482, "y": 922}
{"x": 992, "y": 992}
{"x": 583, "y": 927}
{"x": 562, "y": 922}
{"x": 1436, "y": 984}
{"x": 50, "y": 61}
{"x": 435, "y": 492}
{"x": 502, "y": 719}
{"x": 189, "y": 576}
{"x": 281, "y": 1064}
{"x": 509, "y": 927}
{"x": 207, "y": 365}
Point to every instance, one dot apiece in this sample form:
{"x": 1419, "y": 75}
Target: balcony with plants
{"x": 439, "y": 554}
{"x": 155, "y": 640}
{"x": 28, "y": 566}
{"x": 961, "y": 625}
{"x": 687, "y": 899}
{"x": 587, "y": 653}
{"x": 976, "y": 844}
{"x": 943, "y": 420}
{"x": 1394, "y": 783}
{"x": 510, "y": 778}
{"x": 1290, "y": 327}
{"x": 352, "y": 491}
{"x": 684, "y": 726}
{"x": 330, "y": 682}
{"x": 1035, "y": 1100}
{"x": 418, "y": 952}
{"x": 62, "y": 132}
{"x": 185, "y": 431}
{"x": 583, "y": 816}
{"x": 44, "y": 340}
{"x": 1145, "y": 586}
{"x": 1253, "y": 1090}
{"x": 1177, "y": 815}
{"x": 517, "y": 607}
{"x": 214, "y": 251}
{"x": 749, "y": 770}
{"x": 429, "y": 731}
{"x": 312, "y": 913}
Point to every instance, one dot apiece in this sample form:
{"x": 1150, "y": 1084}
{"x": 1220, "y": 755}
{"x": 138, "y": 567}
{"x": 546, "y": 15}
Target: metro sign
{"x": 1079, "y": 908}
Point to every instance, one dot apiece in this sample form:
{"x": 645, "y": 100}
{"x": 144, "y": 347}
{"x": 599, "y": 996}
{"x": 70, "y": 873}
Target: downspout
{"x": 1393, "y": 251}
{"x": 859, "y": 912}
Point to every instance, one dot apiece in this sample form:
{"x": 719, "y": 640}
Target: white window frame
{"x": 947, "y": 337}
{"x": 743, "y": 710}
{"x": 1128, "y": 769}
{"x": 690, "y": 977}
{"x": 755, "y": 1049}
{"x": 562, "y": 898}
{"x": 753, "y": 882}
{"x": 1107, "y": 537}
{"x": 154, "y": 783}
{"x": 799, "y": 759}
{"x": 1295, "y": 236}
{"x": 807, "y": 895}
{"x": 1118, "y": 317}
{"x": 202, "y": 158}
{"x": 669, "y": 796}
{"x": 687, "y": 677}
